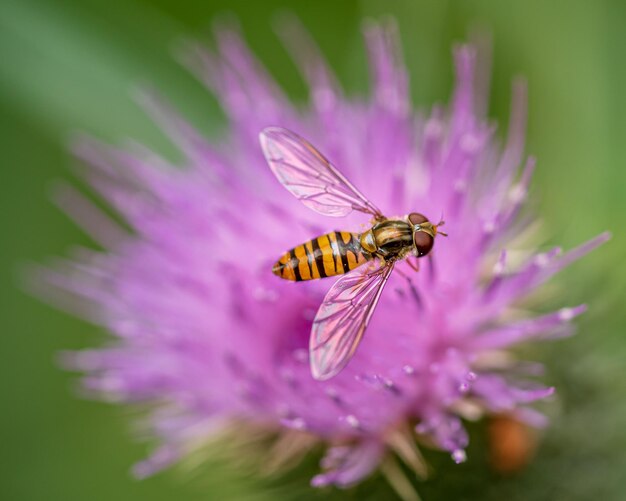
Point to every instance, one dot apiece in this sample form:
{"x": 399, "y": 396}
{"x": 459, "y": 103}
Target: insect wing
{"x": 310, "y": 177}
{"x": 342, "y": 319}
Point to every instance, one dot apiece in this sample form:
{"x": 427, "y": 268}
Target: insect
{"x": 348, "y": 306}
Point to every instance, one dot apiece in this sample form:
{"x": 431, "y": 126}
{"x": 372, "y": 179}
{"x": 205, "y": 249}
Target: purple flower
{"x": 206, "y": 335}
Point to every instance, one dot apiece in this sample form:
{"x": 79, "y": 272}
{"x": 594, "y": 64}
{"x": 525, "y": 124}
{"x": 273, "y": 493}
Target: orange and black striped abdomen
{"x": 332, "y": 254}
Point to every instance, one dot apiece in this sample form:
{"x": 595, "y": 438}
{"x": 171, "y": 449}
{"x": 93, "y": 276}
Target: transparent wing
{"x": 342, "y": 319}
{"x": 310, "y": 177}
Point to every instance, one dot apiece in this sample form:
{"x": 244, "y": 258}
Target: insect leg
{"x": 415, "y": 265}
{"x": 432, "y": 275}
{"x": 412, "y": 288}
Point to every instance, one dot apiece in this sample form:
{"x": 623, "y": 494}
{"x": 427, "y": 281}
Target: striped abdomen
{"x": 332, "y": 254}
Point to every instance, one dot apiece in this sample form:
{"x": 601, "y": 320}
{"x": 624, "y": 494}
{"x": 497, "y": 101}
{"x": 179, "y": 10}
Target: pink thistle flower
{"x": 205, "y": 333}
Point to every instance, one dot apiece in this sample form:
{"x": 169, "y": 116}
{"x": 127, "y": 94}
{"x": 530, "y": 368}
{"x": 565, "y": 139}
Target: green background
{"x": 67, "y": 66}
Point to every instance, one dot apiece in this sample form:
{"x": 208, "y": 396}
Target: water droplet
{"x": 471, "y": 376}
{"x": 566, "y": 314}
{"x": 408, "y": 370}
{"x": 459, "y": 456}
{"x": 296, "y": 423}
{"x": 390, "y": 386}
{"x": 464, "y": 387}
{"x": 353, "y": 421}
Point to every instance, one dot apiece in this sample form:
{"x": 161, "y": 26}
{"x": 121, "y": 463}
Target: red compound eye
{"x": 423, "y": 243}
{"x": 417, "y": 218}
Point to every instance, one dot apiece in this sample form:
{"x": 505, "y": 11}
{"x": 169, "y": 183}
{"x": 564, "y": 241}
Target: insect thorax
{"x": 392, "y": 238}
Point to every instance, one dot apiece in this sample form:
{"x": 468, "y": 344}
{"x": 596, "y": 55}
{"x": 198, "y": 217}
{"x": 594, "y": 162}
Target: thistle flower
{"x": 209, "y": 337}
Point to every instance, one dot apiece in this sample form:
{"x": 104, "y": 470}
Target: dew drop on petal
{"x": 459, "y": 456}
{"x": 566, "y": 314}
{"x": 296, "y": 423}
{"x": 408, "y": 370}
{"x": 352, "y": 421}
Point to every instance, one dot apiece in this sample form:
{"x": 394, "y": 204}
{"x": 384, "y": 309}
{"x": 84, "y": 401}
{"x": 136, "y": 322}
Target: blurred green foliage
{"x": 69, "y": 65}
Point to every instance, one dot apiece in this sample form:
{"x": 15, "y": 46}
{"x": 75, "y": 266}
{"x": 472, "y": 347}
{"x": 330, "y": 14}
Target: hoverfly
{"x": 348, "y": 306}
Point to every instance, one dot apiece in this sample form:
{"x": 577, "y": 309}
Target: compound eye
{"x": 417, "y": 218}
{"x": 423, "y": 243}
